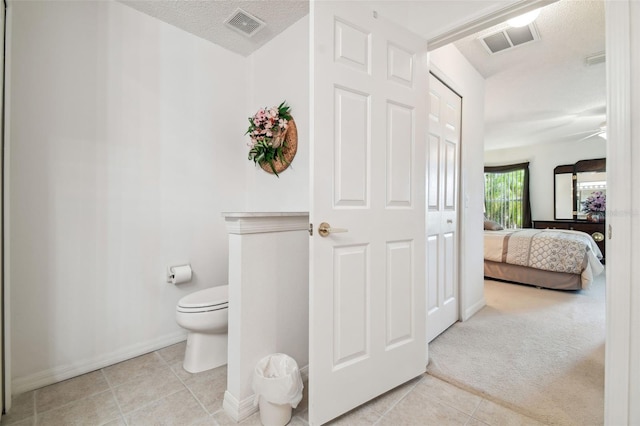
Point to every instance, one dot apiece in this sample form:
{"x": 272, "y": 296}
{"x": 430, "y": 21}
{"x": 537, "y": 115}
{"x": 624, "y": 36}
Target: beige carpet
{"x": 539, "y": 352}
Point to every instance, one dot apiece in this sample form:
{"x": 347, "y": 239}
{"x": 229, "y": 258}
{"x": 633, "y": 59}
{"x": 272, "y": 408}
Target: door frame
{"x": 621, "y": 375}
{"x": 5, "y": 370}
{"x": 622, "y": 380}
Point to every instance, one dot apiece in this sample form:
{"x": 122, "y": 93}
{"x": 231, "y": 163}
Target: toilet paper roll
{"x": 180, "y": 274}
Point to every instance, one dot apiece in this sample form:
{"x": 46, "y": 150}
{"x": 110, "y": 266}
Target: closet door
{"x": 443, "y": 159}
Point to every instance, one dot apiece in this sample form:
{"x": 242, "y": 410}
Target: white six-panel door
{"x": 367, "y": 295}
{"x": 443, "y": 152}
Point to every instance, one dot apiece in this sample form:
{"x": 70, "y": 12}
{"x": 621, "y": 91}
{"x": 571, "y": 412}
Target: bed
{"x": 548, "y": 258}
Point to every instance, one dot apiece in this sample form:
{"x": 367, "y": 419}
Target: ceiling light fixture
{"x": 522, "y": 20}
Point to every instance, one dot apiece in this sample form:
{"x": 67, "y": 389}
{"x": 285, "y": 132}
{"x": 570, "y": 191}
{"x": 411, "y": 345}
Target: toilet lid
{"x": 213, "y": 297}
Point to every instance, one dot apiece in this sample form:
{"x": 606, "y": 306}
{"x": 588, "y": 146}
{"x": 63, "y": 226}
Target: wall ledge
{"x": 260, "y": 222}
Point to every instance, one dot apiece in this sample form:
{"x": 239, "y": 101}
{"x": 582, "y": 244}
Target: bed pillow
{"x": 491, "y": 225}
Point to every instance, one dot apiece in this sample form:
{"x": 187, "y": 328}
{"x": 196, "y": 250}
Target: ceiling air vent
{"x": 244, "y": 23}
{"x": 509, "y": 38}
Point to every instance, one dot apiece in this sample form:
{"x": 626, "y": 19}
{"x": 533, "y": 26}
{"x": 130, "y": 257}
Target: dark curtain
{"x": 526, "y": 200}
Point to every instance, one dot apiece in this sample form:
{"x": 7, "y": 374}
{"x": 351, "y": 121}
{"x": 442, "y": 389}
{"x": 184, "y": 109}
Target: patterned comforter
{"x": 553, "y": 250}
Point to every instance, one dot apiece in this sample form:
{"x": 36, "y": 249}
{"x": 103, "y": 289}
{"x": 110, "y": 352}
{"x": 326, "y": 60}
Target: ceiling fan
{"x": 602, "y": 132}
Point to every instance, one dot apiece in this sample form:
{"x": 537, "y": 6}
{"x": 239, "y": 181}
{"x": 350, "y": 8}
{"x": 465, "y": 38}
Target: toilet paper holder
{"x": 179, "y": 274}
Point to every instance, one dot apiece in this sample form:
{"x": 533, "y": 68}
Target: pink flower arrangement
{"x": 595, "y": 203}
{"x": 267, "y": 130}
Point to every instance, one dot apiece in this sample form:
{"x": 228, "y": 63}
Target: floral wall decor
{"x": 274, "y": 138}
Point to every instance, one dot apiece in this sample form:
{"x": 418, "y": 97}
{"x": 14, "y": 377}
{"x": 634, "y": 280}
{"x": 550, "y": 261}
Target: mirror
{"x": 563, "y": 192}
{"x": 589, "y": 184}
{"x": 574, "y": 184}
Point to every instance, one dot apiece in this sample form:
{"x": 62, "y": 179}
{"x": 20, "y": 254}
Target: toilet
{"x": 204, "y": 314}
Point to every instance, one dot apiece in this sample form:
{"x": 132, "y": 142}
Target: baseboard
{"x": 473, "y": 309}
{"x": 57, "y": 374}
{"x": 238, "y": 410}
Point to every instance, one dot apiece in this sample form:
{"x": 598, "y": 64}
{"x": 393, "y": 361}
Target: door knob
{"x": 449, "y": 220}
{"x": 325, "y": 229}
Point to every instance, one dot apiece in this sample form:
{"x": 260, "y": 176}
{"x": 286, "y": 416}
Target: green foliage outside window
{"x": 503, "y": 197}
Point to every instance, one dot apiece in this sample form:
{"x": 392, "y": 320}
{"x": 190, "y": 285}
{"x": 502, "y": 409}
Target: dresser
{"x": 596, "y": 230}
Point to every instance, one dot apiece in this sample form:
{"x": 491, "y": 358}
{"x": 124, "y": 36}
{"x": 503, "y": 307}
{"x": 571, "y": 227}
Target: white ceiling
{"x": 540, "y": 92}
{"x": 205, "y": 18}
{"x": 431, "y": 18}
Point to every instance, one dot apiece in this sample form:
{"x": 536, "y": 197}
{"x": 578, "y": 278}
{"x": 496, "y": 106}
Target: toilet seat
{"x": 207, "y": 300}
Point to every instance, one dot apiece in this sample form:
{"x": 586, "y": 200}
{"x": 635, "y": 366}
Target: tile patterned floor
{"x": 153, "y": 389}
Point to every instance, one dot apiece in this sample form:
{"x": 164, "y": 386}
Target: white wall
{"x": 126, "y": 136}
{"x": 268, "y": 86}
{"x": 280, "y": 71}
{"x": 542, "y": 160}
{"x": 451, "y": 67}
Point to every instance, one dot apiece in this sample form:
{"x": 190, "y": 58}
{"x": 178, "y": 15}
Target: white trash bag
{"x": 277, "y": 379}
{"x": 278, "y": 387}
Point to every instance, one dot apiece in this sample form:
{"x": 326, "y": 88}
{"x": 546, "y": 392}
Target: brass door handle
{"x": 325, "y": 229}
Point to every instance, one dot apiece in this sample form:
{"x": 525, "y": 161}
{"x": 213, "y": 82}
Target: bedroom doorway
{"x": 552, "y": 157}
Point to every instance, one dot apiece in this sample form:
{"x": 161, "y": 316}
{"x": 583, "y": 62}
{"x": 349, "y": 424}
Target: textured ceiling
{"x": 542, "y": 91}
{"x": 206, "y": 18}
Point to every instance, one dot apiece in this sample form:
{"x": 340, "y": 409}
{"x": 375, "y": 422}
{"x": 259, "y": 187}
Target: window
{"x": 506, "y": 195}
